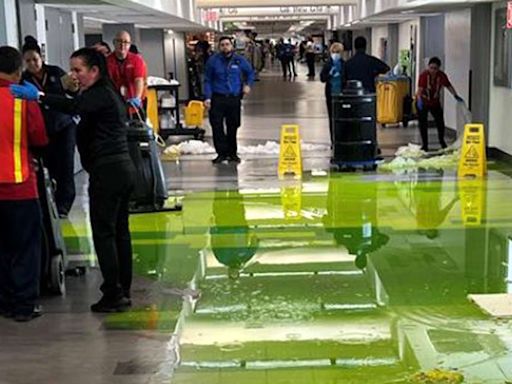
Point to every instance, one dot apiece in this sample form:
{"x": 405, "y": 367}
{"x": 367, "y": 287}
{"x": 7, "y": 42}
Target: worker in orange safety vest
{"x": 21, "y": 128}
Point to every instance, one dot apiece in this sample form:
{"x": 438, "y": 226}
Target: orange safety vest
{"x": 14, "y": 157}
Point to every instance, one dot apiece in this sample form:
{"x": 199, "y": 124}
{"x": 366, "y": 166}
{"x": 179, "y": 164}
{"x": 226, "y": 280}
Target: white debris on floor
{"x": 496, "y": 305}
{"x": 411, "y": 157}
{"x": 197, "y": 147}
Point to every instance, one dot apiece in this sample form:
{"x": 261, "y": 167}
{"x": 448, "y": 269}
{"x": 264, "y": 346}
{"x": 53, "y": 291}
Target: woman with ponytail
{"x": 61, "y": 129}
{"x": 103, "y": 147}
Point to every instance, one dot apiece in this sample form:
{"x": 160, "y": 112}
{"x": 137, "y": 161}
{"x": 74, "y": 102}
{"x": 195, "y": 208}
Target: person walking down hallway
{"x": 430, "y": 85}
{"x": 228, "y": 77}
{"x": 332, "y": 75}
{"x": 103, "y": 146}
{"x": 20, "y": 212}
{"x": 290, "y": 54}
{"x": 364, "y": 67}
{"x": 310, "y": 57}
{"x": 59, "y": 156}
{"x": 282, "y": 56}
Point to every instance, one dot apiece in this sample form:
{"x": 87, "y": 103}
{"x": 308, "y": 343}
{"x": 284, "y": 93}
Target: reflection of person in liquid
{"x": 352, "y": 218}
{"x": 428, "y": 202}
{"x": 231, "y": 240}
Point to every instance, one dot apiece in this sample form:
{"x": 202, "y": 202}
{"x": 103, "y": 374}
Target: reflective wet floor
{"x": 338, "y": 278}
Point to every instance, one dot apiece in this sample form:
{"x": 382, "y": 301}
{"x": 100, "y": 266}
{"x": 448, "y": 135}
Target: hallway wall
{"x": 457, "y": 59}
{"x": 500, "y": 103}
{"x": 379, "y": 33}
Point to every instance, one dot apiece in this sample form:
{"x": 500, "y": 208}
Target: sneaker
{"x": 109, "y": 306}
{"x": 234, "y": 159}
{"x": 219, "y": 159}
{"x": 26, "y": 317}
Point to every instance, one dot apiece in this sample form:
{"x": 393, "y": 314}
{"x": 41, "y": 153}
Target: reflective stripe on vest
{"x": 18, "y": 171}
{"x": 14, "y": 156}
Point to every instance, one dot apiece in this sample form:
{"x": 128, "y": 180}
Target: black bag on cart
{"x": 150, "y": 192}
{"x": 53, "y": 249}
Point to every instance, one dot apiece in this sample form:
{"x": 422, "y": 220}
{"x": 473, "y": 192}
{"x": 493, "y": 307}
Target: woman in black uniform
{"x": 60, "y": 127}
{"x": 103, "y": 147}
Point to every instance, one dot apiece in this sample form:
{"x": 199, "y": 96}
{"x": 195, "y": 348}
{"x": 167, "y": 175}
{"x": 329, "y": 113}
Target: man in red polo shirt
{"x": 127, "y": 70}
{"x": 21, "y": 128}
{"x": 431, "y": 83}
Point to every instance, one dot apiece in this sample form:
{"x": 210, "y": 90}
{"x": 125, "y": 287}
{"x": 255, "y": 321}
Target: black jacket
{"x": 365, "y": 68}
{"x": 325, "y": 77}
{"x": 54, "y": 120}
{"x": 101, "y": 134}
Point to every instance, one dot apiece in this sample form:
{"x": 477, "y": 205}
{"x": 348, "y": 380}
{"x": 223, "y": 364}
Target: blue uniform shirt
{"x": 227, "y": 75}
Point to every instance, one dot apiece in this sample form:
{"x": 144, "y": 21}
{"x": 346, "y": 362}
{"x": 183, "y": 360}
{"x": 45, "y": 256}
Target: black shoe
{"x": 110, "y": 306}
{"x": 443, "y": 145}
{"x": 25, "y": 317}
{"x": 234, "y": 159}
{"x": 219, "y": 159}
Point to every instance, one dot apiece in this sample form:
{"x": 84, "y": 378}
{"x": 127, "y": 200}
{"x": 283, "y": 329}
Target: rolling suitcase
{"x": 150, "y": 192}
{"x": 53, "y": 249}
{"x": 391, "y": 95}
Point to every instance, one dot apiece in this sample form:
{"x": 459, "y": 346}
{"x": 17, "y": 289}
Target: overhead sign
{"x": 290, "y": 157}
{"x": 473, "y": 160}
{"x": 210, "y": 15}
{"x": 278, "y": 11}
{"x": 509, "y": 15}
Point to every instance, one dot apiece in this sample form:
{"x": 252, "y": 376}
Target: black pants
{"x": 59, "y": 158}
{"x": 437, "y": 113}
{"x": 328, "y": 99}
{"x": 310, "y": 59}
{"x": 291, "y": 66}
{"x": 284, "y": 66}
{"x": 20, "y": 255}
{"x": 228, "y": 109}
{"x": 110, "y": 187}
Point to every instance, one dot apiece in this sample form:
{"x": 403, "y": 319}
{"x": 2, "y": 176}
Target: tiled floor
{"x": 339, "y": 278}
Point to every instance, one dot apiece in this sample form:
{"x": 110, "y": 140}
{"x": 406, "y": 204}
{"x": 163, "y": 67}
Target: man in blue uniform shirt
{"x": 228, "y": 77}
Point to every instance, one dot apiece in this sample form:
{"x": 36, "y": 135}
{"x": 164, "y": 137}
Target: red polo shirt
{"x": 36, "y": 136}
{"x": 432, "y": 87}
{"x": 123, "y": 73}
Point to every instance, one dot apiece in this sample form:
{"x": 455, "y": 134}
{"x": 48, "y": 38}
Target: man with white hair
{"x": 127, "y": 70}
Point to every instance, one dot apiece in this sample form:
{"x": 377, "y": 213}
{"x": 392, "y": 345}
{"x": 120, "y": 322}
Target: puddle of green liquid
{"x": 347, "y": 279}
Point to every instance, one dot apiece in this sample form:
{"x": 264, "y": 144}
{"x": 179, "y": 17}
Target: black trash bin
{"x": 355, "y": 128}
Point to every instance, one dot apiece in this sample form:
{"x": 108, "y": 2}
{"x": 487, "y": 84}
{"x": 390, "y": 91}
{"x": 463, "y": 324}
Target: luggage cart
{"x": 169, "y": 114}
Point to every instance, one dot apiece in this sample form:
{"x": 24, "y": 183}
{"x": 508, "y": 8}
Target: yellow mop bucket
{"x": 194, "y": 114}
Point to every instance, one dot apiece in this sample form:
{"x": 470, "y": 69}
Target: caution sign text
{"x": 290, "y": 157}
{"x": 473, "y": 160}
{"x": 472, "y": 196}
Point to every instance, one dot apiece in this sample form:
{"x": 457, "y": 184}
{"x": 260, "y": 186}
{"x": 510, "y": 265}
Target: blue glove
{"x": 419, "y": 104}
{"x": 27, "y": 91}
{"x": 135, "y": 102}
{"x": 459, "y": 99}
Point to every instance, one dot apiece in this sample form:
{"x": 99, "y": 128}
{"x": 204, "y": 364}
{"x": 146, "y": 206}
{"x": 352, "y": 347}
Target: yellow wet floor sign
{"x": 291, "y": 199}
{"x": 472, "y": 196}
{"x": 473, "y": 161}
{"x": 290, "y": 157}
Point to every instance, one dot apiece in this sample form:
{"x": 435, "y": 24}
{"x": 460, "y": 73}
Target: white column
{"x": 8, "y": 23}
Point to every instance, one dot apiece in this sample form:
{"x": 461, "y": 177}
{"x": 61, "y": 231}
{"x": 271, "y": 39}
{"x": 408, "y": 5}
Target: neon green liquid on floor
{"x": 340, "y": 279}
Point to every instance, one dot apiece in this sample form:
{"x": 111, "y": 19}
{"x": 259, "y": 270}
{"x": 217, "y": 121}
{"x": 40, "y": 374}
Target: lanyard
{"x": 41, "y": 84}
